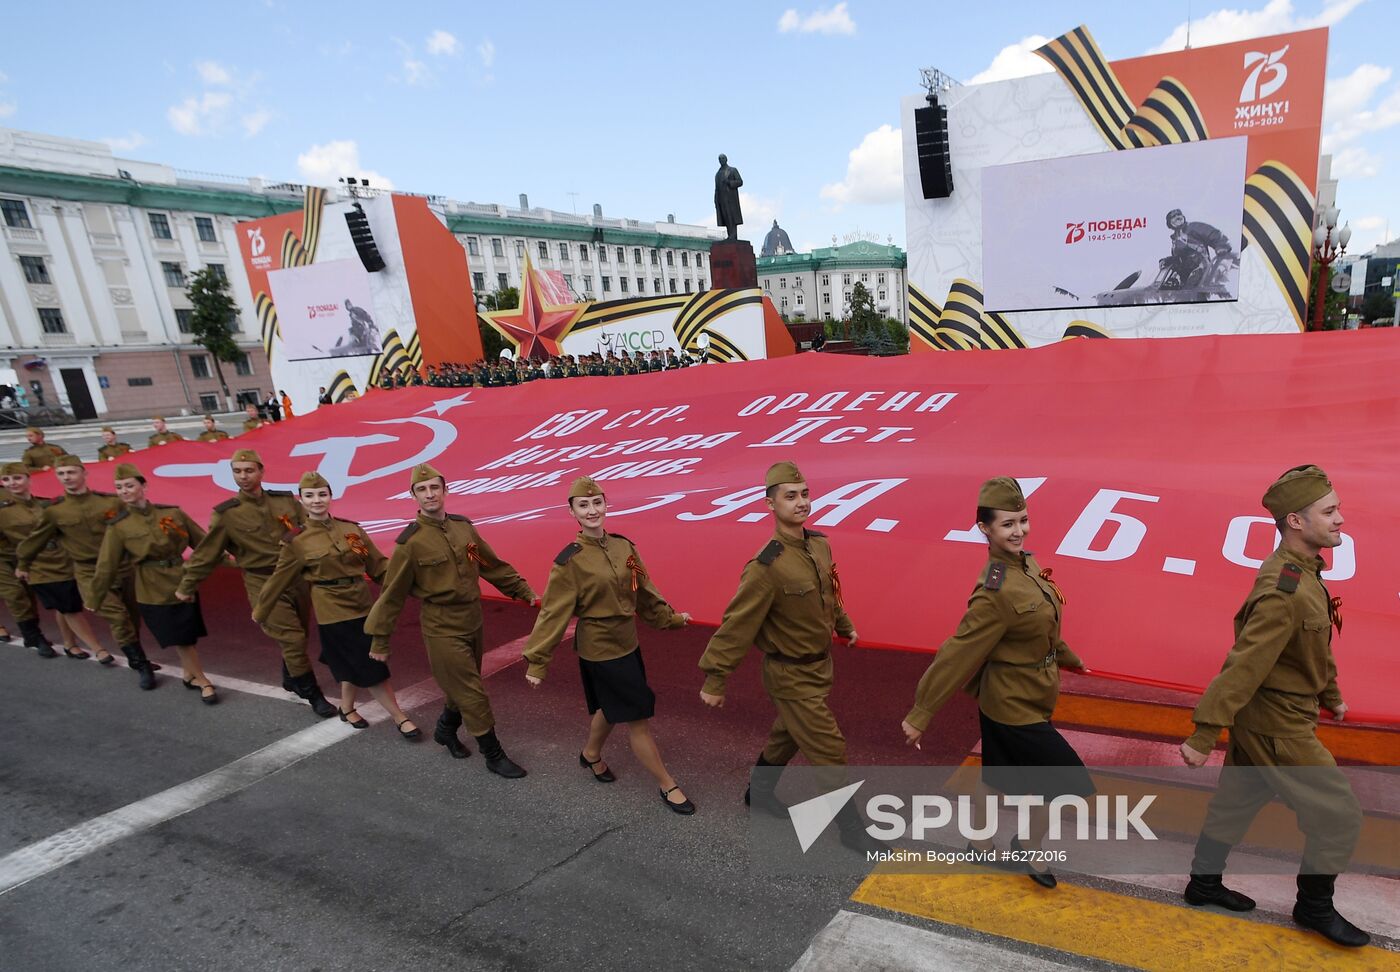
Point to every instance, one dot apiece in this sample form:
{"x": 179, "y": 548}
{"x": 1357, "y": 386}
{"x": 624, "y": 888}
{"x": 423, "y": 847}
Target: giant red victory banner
{"x": 1144, "y": 462}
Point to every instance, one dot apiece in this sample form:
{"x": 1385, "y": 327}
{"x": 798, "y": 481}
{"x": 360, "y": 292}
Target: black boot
{"x": 289, "y": 684}
{"x": 760, "y": 793}
{"x": 851, "y": 828}
{"x": 306, "y": 687}
{"x": 34, "y": 638}
{"x": 445, "y": 733}
{"x": 496, "y": 759}
{"x": 1206, "y": 886}
{"x": 138, "y": 662}
{"x": 1314, "y": 910}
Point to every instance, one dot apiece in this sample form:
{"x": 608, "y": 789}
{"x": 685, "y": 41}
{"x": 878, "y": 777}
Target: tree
{"x": 865, "y": 323}
{"x": 212, "y": 323}
{"x": 1334, "y": 307}
{"x": 1377, "y": 305}
{"x": 492, "y": 344}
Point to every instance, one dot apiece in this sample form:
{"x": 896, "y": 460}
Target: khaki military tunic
{"x": 603, "y": 583}
{"x": 79, "y": 523}
{"x": 154, "y": 540}
{"x": 42, "y": 456}
{"x": 787, "y": 606}
{"x": 161, "y": 438}
{"x": 250, "y": 528}
{"x": 250, "y": 425}
{"x": 18, "y": 518}
{"x": 1267, "y": 694}
{"x": 214, "y": 435}
{"x": 332, "y": 556}
{"x": 442, "y": 562}
{"x": 1007, "y": 651}
{"x": 116, "y": 450}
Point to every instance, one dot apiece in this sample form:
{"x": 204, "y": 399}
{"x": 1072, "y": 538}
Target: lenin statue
{"x": 727, "y": 212}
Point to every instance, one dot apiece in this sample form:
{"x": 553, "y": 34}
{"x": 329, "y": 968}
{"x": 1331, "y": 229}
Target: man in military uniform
{"x": 788, "y": 604}
{"x": 18, "y": 511}
{"x": 77, "y": 520}
{"x": 212, "y": 432}
{"x": 251, "y": 420}
{"x": 250, "y": 526}
{"x": 40, "y": 454}
{"x": 440, "y": 558}
{"x": 111, "y": 449}
{"x": 162, "y": 434}
{"x": 1267, "y": 694}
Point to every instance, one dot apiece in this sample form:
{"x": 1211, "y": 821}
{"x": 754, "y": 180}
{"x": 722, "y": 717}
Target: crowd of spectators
{"x": 495, "y": 374}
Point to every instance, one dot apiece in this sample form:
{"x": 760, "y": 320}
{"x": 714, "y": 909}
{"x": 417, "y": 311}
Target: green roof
{"x": 859, "y": 255}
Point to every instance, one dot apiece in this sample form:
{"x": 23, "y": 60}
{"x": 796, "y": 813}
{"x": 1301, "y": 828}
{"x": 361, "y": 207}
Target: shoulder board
{"x": 458, "y": 517}
{"x": 353, "y": 523}
{"x": 1289, "y": 577}
{"x": 621, "y": 537}
{"x": 996, "y": 576}
{"x": 567, "y": 553}
{"x": 770, "y": 553}
{"x": 278, "y": 492}
{"x": 119, "y": 516}
{"x": 815, "y": 533}
{"x": 408, "y": 531}
{"x": 226, "y": 505}
{"x": 166, "y": 506}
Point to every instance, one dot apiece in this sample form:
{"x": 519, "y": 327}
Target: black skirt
{"x": 345, "y": 651}
{"x": 174, "y": 624}
{"x": 619, "y": 687}
{"x": 1033, "y": 759}
{"x": 61, "y": 596}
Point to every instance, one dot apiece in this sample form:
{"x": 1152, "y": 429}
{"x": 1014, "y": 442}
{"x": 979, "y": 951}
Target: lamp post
{"x": 1325, "y": 250}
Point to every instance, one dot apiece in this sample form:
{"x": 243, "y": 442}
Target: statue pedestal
{"x": 732, "y": 265}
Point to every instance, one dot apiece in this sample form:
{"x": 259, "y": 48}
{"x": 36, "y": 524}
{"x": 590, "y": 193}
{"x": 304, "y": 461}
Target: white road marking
{"x": 854, "y": 942}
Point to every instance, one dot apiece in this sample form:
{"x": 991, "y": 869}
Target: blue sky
{"x": 624, "y": 104}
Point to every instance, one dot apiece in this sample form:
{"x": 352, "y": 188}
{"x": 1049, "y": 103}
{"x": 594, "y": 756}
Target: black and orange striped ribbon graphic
{"x": 702, "y": 312}
{"x": 391, "y": 360}
{"x": 341, "y": 386}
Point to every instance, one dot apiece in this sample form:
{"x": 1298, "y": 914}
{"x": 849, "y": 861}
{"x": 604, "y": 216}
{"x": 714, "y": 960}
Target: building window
{"x": 670, "y": 258}
{"x": 865, "y": 278}
{"x": 687, "y": 286}
{"x": 160, "y": 226}
{"x": 478, "y": 282}
{"x": 607, "y": 285}
{"x": 768, "y": 283}
{"x": 16, "y": 213}
{"x": 655, "y": 261}
{"x": 34, "y": 270}
{"x": 204, "y": 226}
{"x": 622, "y": 282}
{"x": 519, "y": 250}
{"x": 826, "y": 298}
{"x": 637, "y": 255}
{"x": 210, "y": 403}
{"x": 784, "y": 304}
{"x": 497, "y": 248}
{"x": 544, "y": 250}
{"x": 845, "y": 279}
{"x": 673, "y": 285}
{"x": 641, "y": 285}
{"x": 183, "y": 317}
{"x": 699, "y": 262}
{"x": 501, "y": 283}
{"x": 602, "y": 254}
{"x": 243, "y": 365}
{"x": 700, "y": 284}
{"x": 473, "y": 246}
{"x": 685, "y": 259}
{"x": 621, "y": 254}
{"x": 799, "y": 300}
{"x": 174, "y": 274}
{"x": 656, "y": 285}
{"x": 587, "y": 282}
{"x": 826, "y": 280}
{"x": 51, "y": 320}
{"x": 139, "y": 382}
{"x": 217, "y": 271}
{"x": 563, "y": 252}
{"x": 880, "y": 279}
{"x": 569, "y": 281}
{"x": 199, "y": 366}
{"x": 583, "y": 252}
{"x": 880, "y": 296}
{"x": 782, "y": 283}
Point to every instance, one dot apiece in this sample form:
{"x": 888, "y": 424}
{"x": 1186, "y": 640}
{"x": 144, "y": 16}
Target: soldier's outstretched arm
{"x": 738, "y": 628}
{"x": 30, "y": 546}
{"x": 501, "y": 575}
{"x": 208, "y": 554}
{"x": 109, "y": 562}
{"x": 959, "y": 658}
{"x": 289, "y": 564}
{"x": 394, "y": 591}
{"x": 1262, "y": 639}
{"x": 652, "y": 608}
{"x": 376, "y": 564}
{"x": 557, "y": 607}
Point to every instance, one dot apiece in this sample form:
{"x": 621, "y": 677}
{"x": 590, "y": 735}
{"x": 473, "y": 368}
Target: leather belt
{"x": 260, "y": 571}
{"x": 169, "y": 562}
{"x": 800, "y": 659}
{"x": 337, "y": 582}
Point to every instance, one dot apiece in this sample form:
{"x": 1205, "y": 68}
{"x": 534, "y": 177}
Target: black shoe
{"x": 345, "y": 717}
{"x": 496, "y": 759}
{"x": 77, "y": 654}
{"x": 1043, "y": 878}
{"x": 107, "y": 659}
{"x": 304, "y": 686}
{"x": 454, "y": 745}
{"x": 1314, "y": 911}
{"x": 137, "y": 661}
{"x": 1209, "y": 889}
{"x": 34, "y": 637}
{"x": 685, "y": 808}
{"x": 45, "y": 650}
{"x": 604, "y": 777}
{"x": 413, "y": 733}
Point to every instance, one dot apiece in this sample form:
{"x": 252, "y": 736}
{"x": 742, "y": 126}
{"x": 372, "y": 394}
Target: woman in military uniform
{"x": 334, "y": 556}
{"x": 600, "y": 579}
{"x": 1007, "y": 653}
{"x": 154, "y": 538}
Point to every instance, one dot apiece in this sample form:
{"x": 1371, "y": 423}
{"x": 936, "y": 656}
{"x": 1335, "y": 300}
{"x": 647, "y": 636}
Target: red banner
{"x": 1143, "y": 461}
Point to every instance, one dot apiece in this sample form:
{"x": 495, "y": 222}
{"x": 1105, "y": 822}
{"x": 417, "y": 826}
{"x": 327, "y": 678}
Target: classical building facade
{"x": 97, "y": 252}
{"x": 817, "y": 285}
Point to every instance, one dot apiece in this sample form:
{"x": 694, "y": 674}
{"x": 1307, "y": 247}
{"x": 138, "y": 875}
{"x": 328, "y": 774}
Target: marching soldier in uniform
{"x": 788, "y": 604}
{"x": 78, "y": 520}
{"x": 440, "y": 558}
{"x": 249, "y": 526}
{"x": 1275, "y": 677}
{"x": 111, "y": 449}
{"x": 333, "y": 556}
{"x": 212, "y": 432}
{"x": 40, "y": 454}
{"x": 154, "y": 539}
{"x": 600, "y": 579}
{"x": 251, "y": 421}
{"x": 50, "y": 574}
{"x": 1007, "y": 653}
{"x": 162, "y": 435}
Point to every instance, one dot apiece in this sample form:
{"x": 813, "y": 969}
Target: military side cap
{"x": 14, "y": 469}
{"x": 246, "y": 455}
{"x": 126, "y": 470}
{"x": 424, "y": 472}
{"x": 1002, "y": 493}
{"x": 67, "y": 461}
{"x": 313, "y": 480}
{"x": 1296, "y": 489}
{"x": 783, "y": 472}
{"x": 584, "y": 486}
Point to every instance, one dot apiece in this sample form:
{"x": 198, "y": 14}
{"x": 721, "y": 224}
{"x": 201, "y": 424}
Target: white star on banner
{"x": 444, "y": 405}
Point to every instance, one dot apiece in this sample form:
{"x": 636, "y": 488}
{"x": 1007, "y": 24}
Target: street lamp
{"x": 1325, "y": 250}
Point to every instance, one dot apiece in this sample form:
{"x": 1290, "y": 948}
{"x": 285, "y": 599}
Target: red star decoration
{"x": 536, "y": 327}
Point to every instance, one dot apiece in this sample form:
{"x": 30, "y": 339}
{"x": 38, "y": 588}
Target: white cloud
{"x": 1016, "y": 60}
{"x": 212, "y": 72}
{"x": 874, "y": 171}
{"x": 8, "y": 108}
{"x": 1275, "y": 17}
{"x": 834, "y": 21}
{"x": 1349, "y": 94}
{"x": 441, "y": 42}
{"x": 1355, "y": 162}
{"x": 759, "y": 212}
{"x": 126, "y": 143}
{"x": 1367, "y": 233}
{"x": 255, "y": 121}
{"x": 487, "y": 50}
{"x": 322, "y": 165}
{"x": 1360, "y": 121}
{"x": 200, "y": 116}
{"x": 414, "y": 71}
